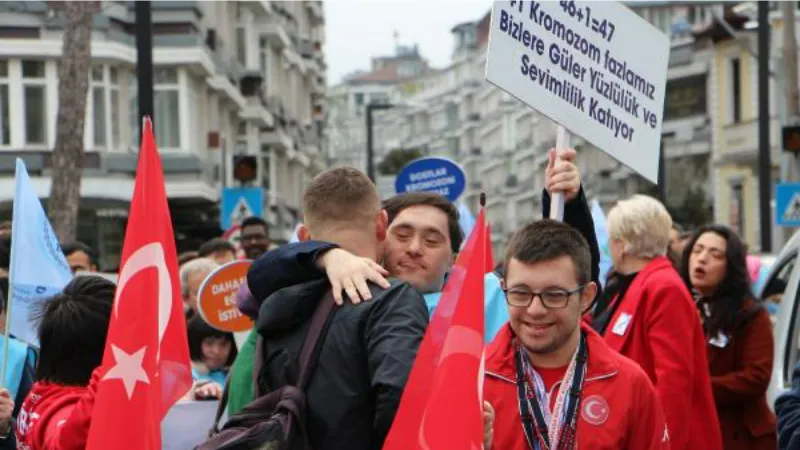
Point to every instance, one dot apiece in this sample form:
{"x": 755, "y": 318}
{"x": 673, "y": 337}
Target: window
{"x": 5, "y": 120}
{"x": 167, "y": 124}
{"x": 34, "y": 91}
{"x": 452, "y": 114}
{"x": 736, "y": 209}
{"x": 105, "y": 106}
{"x": 115, "y": 108}
{"x": 99, "y": 113}
{"x": 359, "y": 97}
{"x": 241, "y": 46}
{"x": 379, "y": 98}
{"x": 133, "y": 106}
{"x": 736, "y": 90}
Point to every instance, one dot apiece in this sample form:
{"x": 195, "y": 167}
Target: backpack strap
{"x": 258, "y": 363}
{"x": 312, "y": 343}
{"x": 223, "y": 403}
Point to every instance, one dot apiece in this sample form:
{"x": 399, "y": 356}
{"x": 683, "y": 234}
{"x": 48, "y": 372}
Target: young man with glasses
{"x": 551, "y": 381}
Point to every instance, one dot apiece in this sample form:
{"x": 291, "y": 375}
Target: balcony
{"x": 275, "y": 32}
{"x": 259, "y": 7}
{"x": 740, "y": 141}
{"x": 310, "y": 139}
{"x": 275, "y": 106}
{"x": 278, "y": 138}
{"x": 315, "y": 12}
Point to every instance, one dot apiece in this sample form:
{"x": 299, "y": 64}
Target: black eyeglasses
{"x": 555, "y": 299}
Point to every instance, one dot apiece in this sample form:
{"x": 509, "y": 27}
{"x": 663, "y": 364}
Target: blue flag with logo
{"x": 38, "y": 268}
{"x": 601, "y": 232}
{"x": 466, "y": 220}
{"x": 294, "y": 237}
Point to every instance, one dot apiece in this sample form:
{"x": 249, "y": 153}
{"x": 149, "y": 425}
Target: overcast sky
{"x": 358, "y": 30}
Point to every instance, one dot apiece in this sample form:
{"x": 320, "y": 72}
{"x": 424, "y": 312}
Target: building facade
{"x": 230, "y": 78}
{"x": 347, "y": 104}
{"x": 735, "y": 101}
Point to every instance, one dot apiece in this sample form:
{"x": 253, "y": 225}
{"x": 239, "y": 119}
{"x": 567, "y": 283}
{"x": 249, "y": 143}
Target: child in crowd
{"x": 212, "y": 351}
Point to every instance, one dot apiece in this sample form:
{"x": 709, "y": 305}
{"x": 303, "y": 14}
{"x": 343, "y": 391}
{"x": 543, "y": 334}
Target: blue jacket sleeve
{"x": 578, "y": 215}
{"x": 787, "y": 408}
{"x": 285, "y": 266}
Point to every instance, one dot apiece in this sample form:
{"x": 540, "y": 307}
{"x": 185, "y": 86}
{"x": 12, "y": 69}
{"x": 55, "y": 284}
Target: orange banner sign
{"x": 216, "y": 299}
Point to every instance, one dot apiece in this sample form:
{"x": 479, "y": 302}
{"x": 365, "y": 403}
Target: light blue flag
{"x": 294, "y": 237}
{"x": 38, "y": 269}
{"x": 466, "y": 220}
{"x": 601, "y": 232}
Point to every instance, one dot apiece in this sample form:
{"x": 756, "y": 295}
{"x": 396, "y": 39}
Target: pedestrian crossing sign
{"x": 787, "y": 204}
{"x": 239, "y": 204}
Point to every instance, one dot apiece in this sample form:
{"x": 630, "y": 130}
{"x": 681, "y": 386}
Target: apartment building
{"x": 347, "y": 104}
{"x": 231, "y": 78}
{"x": 734, "y": 105}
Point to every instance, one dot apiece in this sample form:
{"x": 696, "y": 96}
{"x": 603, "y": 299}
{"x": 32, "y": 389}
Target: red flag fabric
{"x": 441, "y": 407}
{"x": 146, "y": 366}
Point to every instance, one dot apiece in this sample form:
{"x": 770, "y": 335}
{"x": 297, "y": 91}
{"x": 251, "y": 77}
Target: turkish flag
{"x": 441, "y": 407}
{"x": 146, "y": 366}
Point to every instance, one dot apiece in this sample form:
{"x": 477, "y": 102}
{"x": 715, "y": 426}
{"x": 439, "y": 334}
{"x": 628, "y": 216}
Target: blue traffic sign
{"x": 787, "y": 204}
{"x": 240, "y": 203}
{"x": 432, "y": 174}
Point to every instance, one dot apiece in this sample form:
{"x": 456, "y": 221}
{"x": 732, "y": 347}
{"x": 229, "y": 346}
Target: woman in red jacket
{"x": 650, "y": 317}
{"x": 739, "y": 333}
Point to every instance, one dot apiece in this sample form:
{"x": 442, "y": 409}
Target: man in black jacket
{"x": 369, "y": 348}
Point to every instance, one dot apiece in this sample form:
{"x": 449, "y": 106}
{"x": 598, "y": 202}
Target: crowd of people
{"x": 672, "y": 350}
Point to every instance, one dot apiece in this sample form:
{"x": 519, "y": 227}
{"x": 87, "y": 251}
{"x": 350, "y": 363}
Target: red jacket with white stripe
{"x": 619, "y": 409}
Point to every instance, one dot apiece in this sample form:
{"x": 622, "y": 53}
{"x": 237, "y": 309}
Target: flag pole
{"x": 557, "y": 198}
{"x": 10, "y": 293}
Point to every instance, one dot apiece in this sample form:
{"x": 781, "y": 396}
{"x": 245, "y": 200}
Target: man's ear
{"x": 303, "y": 234}
{"x": 381, "y": 225}
{"x": 589, "y": 293}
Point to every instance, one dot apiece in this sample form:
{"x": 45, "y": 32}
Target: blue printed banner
{"x": 596, "y": 68}
{"x": 432, "y": 174}
{"x": 601, "y": 232}
{"x": 38, "y": 267}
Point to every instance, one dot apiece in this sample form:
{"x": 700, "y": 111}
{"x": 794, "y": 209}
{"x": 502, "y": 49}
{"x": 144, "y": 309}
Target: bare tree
{"x": 73, "y": 82}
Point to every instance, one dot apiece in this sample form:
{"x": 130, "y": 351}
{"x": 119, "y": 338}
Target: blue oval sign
{"x": 432, "y": 174}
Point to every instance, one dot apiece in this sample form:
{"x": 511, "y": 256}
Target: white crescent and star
{"x": 128, "y": 366}
{"x": 128, "y": 369}
{"x": 595, "y": 410}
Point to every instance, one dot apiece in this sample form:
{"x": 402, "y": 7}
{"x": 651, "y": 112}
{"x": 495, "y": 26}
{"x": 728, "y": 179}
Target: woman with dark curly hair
{"x": 739, "y": 336}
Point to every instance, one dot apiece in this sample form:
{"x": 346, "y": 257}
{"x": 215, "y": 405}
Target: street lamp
{"x": 370, "y": 150}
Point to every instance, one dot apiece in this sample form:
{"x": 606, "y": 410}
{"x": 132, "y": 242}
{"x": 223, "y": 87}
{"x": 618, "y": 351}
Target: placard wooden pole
{"x": 557, "y": 198}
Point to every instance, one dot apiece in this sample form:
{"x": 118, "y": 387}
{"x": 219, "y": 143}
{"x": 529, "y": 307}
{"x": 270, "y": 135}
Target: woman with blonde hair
{"x": 650, "y": 317}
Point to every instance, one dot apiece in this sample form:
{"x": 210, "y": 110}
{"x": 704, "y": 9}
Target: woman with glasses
{"x": 648, "y": 315}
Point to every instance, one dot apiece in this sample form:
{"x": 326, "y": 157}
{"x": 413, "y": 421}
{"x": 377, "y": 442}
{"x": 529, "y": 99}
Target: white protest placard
{"x": 187, "y": 424}
{"x": 596, "y": 68}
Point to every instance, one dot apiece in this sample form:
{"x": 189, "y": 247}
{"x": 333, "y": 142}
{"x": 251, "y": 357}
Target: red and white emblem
{"x": 595, "y": 410}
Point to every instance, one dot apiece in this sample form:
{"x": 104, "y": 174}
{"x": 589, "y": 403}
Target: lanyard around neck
{"x": 533, "y": 418}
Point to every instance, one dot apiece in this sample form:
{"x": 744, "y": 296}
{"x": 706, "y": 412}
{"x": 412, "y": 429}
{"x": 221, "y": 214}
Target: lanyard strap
{"x": 534, "y": 422}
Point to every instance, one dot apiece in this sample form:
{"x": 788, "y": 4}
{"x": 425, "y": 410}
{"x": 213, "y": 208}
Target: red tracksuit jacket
{"x": 619, "y": 409}
{"x": 658, "y": 326}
